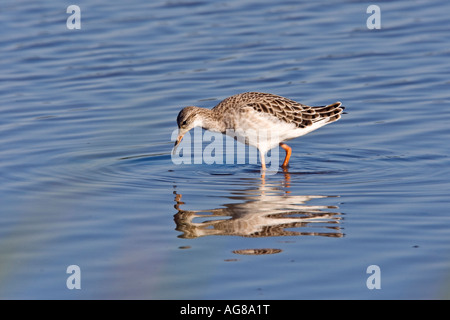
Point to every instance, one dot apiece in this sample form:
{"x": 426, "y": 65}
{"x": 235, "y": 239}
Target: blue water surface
{"x": 87, "y": 177}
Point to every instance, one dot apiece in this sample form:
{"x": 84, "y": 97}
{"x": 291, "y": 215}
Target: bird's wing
{"x": 293, "y": 112}
{"x": 284, "y": 109}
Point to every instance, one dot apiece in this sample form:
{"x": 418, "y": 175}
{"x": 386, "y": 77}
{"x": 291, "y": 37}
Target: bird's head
{"x": 188, "y": 118}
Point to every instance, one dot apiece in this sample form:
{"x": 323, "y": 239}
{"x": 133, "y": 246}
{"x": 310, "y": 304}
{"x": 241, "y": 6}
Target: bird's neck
{"x": 211, "y": 121}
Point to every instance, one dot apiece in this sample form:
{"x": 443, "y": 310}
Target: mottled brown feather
{"x": 283, "y": 108}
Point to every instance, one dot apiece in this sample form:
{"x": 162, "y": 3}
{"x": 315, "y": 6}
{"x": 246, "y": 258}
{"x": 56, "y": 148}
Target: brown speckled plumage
{"x": 260, "y": 111}
{"x": 284, "y": 109}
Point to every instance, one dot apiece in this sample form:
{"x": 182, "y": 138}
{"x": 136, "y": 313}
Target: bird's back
{"x": 283, "y": 109}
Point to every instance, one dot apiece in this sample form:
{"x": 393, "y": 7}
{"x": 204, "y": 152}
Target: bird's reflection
{"x": 266, "y": 209}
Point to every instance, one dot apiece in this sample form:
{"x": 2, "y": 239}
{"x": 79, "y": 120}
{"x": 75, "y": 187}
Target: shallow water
{"x": 87, "y": 176}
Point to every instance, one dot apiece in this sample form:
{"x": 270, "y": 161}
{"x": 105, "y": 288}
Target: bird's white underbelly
{"x": 265, "y": 132}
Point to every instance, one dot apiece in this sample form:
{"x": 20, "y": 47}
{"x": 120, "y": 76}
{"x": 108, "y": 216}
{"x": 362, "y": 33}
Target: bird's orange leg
{"x": 263, "y": 160}
{"x": 288, "y": 154}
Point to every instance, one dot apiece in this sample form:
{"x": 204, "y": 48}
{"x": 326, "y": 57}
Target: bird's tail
{"x": 332, "y": 112}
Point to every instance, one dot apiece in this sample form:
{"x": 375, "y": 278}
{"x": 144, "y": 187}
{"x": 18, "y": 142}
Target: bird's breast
{"x": 263, "y": 131}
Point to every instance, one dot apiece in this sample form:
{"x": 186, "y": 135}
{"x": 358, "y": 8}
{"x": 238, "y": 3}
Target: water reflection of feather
{"x": 265, "y": 210}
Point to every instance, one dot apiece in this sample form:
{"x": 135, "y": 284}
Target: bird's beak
{"x": 177, "y": 142}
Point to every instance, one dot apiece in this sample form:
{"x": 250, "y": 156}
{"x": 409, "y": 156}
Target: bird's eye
{"x": 183, "y": 123}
